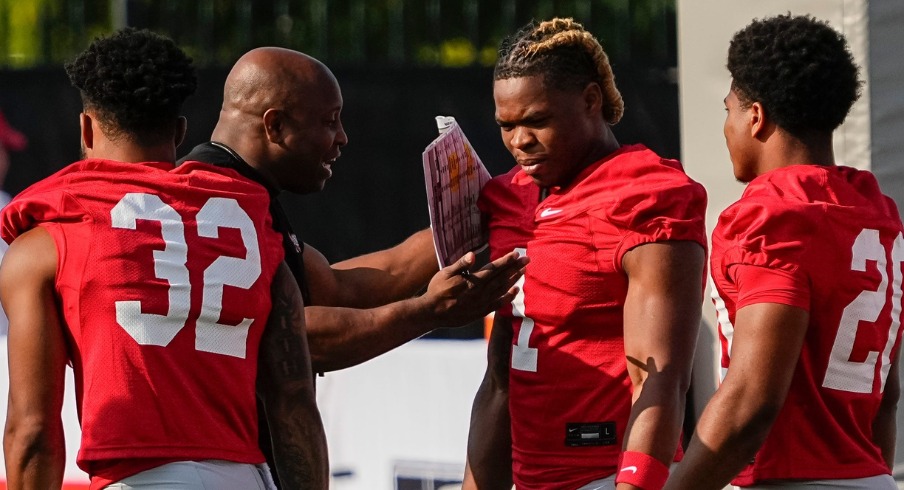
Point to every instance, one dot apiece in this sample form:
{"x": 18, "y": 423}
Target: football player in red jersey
{"x": 155, "y": 283}
{"x": 807, "y": 271}
{"x": 589, "y": 365}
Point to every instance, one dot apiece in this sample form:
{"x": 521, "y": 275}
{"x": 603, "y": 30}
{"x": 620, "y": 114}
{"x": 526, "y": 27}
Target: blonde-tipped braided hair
{"x": 565, "y": 55}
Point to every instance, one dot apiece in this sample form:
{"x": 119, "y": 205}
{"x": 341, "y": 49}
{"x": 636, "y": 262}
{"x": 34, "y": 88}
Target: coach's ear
{"x": 87, "y": 129}
{"x": 274, "y": 125}
{"x": 181, "y": 129}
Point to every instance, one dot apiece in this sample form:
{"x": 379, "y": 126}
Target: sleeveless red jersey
{"x": 823, "y": 239}
{"x": 570, "y": 394}
{"x": 164, "y": 280}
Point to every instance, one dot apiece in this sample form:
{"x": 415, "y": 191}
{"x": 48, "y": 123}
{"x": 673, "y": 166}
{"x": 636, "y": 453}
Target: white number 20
{"x": 858, "y": 377}
{"x": 170, "y": 265}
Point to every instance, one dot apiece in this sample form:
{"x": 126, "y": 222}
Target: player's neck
{"x": 129, "y": 152}
{"x": 786, "y": 150}
{"x": 604, "y": 146}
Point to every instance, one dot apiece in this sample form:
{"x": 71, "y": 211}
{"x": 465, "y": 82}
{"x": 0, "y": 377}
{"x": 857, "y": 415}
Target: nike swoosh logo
{"x": 632, "y": 469}
{"x": 549, "y": 212}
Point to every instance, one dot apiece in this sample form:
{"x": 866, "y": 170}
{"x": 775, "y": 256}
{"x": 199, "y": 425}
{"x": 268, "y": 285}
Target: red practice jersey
{"x": 164, "y": 281}
{"x": 823, "y": 239}
{"x": 570, "y": 395}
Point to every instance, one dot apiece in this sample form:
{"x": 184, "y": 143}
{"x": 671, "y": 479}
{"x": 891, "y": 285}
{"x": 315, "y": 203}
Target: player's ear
{"x": 593, "y": 98}
{"x": 274, "y": 125}
{"x": 85, "y": 123}
{"x": 758, "y": 119}
{"x": 181, "y": 128}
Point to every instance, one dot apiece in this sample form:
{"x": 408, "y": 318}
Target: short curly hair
{"x": 566, "y": 55}
{"x": 136, "y": 82}
{"x": 798, "y": 68}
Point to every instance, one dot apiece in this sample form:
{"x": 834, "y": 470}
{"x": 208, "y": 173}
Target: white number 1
{"x": 858, "y": 377}
{"x": 524, "y": 357}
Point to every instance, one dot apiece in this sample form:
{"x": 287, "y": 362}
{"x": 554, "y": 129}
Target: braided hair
{"x": 135, "y": 81}
{"x": 565, "y": 55}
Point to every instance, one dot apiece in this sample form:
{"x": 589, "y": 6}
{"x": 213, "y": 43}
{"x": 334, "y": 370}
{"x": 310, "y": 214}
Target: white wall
{"x": 411, "y": 405}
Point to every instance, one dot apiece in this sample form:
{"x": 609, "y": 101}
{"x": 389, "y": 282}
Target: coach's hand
{"x": 459, "y": 296}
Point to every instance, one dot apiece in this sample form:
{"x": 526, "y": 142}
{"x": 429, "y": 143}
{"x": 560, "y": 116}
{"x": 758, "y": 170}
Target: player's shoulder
{"x": 633, "y": 162}
{"x": 55, "y": 182}
{"x": 637, "y": 173}
{"x": 636, "y": 186}
{"x": 503, "y": 182}
{"x": 94, "y": 175}
{"x": 807, "y": 194}
{"x": 41, "y": 198}
{"x": 865, "y": 186}
{"x": 513, "y": 189}
{"x": 761, "y": 211}
{"x": 775, "y": 211}
{"x": 32, "y": 253}
{"x": 217, "y": 177}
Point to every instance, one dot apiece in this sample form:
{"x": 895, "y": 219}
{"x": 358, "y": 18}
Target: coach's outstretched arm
{"x": 373, "y": 279}
{"x": 343, "y": 337}
{"x": 285, "y": 384}
{"x": 33, "y": 444}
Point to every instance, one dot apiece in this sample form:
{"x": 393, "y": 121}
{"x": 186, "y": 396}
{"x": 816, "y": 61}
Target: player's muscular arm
{"x": 489, "y": 438}
{"x": 661, "y": 319}
{"x": 374, "y": 279}
{"x": 33, "y": 442}
{"x": 768, "y": 339}
{"x": 885, "y": 424}
{"x": 285, "y": 384}
{"x": 343, "y": 337}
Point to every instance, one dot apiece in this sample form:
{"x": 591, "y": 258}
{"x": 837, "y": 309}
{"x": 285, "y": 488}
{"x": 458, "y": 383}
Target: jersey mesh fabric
{"x": 573, "y": 297}
{"x": 192, "y": 398}
{"x": 790, "y": 240}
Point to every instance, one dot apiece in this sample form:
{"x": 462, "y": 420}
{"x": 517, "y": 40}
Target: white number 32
{"x": 170, "y": 265}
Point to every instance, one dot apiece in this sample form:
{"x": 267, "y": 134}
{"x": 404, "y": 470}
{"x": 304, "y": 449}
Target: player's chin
{"x": 543, "y": 179}
{"x": 539, "y": 181}
{"x": 744, "y": 177}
